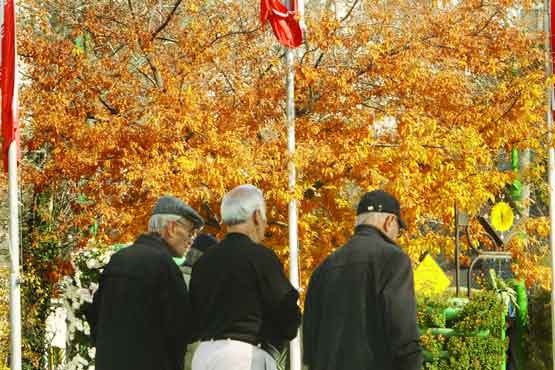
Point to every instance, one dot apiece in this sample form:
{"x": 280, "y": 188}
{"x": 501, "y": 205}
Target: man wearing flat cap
{"x": 360, "y": 309}
{"x": 139, "y": 313}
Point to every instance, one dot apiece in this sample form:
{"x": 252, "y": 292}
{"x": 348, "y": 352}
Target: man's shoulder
{"x": 373, "y": 243}
{"x": 144, "y": 251}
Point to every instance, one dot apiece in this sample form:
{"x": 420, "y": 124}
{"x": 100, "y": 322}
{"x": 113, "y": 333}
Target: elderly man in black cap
{"x": 360, "y": 310}
{"x": 139, "y": 314}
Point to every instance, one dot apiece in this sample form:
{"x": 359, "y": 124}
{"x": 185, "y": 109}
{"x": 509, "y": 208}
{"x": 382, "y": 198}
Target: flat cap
{"x": 170, "y": 205}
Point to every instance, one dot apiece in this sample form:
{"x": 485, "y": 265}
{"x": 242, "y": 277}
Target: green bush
{"x": 484, "y": 312}
{"x": 537, "y": 337}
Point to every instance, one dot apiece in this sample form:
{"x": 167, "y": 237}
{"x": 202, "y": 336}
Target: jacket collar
{"x": 155, "y": 240}
{"x": 372, "y": 230}
{"x": 239, "y": 236}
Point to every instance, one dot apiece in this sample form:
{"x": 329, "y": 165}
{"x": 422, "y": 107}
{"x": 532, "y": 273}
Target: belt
{"x": 232, "y": 337}
{"x": 265, "y": 346}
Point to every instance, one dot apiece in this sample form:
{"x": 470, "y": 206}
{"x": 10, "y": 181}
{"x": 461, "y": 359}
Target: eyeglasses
{"x": 190, "y": 228}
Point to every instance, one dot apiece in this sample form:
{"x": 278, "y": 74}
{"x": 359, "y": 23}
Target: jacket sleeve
{"x": 400, "y": 314}
{"x": 176, "y": 311}
{"x": 311, "y": 318}
{"x": 279, "y": 297}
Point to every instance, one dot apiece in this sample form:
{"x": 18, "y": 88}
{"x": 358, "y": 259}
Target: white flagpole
{"x": 551, "y": 167}
{"x": 15, "y": 294}
{"x": 294, "y": 346}
{"x": 13, "y": 202}
{"x": 295, "y": 360}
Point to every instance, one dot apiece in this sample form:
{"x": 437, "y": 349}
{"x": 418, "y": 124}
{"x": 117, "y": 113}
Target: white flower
{"x": 85, "y": 295}
{"x": 93, "y": 287}
{"x": 92, "y": 353}
{"x": 86, "y": 328}
{"x": 105, "y": 258}
{"x": 92, "y": 263}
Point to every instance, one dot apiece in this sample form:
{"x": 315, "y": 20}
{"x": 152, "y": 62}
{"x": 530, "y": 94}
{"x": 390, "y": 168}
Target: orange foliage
{"x": 128, "y": 100}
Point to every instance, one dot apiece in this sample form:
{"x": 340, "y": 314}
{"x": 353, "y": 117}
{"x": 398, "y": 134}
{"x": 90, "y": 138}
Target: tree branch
{"x": 233, "y": 33}
{"x": 111, "y": 109}
{"x": 167, "y": 20}
{"x": 349, "y": 12}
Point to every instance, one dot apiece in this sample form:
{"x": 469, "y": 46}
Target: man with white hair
{"x": 245, "y": 308}
{"x": 140, "y": 312}
{"x": 360, "y": 310}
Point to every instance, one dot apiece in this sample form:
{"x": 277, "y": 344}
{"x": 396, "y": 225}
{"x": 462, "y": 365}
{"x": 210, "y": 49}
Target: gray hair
{"x": 371, "y": 218}
{"x": 159, "y": 221}
{"x": 240, "y": 203}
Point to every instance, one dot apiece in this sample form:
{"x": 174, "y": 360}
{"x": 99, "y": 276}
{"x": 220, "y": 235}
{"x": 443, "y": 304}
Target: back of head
{"x": 239, "y": 204}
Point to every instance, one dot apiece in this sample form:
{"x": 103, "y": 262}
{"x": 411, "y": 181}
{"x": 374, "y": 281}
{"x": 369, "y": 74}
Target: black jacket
{"x": 239, "y": 291}
{"x": 360, "y": 310}
{"x": 138, "y": 316}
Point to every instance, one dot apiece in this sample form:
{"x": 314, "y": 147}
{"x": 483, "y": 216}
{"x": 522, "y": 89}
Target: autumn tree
{"x": 127, "y": 100}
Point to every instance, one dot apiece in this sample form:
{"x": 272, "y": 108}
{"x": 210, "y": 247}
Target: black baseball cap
{"x": 381, "y": 201}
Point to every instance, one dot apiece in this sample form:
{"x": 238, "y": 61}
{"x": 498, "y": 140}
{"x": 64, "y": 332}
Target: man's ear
{"x": 387, "y": 222}
{"x": 170, "y": 228}
{"x": 256, "y": 217}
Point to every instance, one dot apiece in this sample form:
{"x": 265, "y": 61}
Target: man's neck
{"x": 244, "y": 229}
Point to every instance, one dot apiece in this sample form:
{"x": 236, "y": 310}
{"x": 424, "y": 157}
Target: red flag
{"x": 10, "y": 132}
{"x": 283, "y": 22}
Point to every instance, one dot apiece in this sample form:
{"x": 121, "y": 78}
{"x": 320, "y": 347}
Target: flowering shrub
{"x": 78, "y": 291}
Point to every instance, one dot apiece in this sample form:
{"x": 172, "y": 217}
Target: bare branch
{"x": 111, "y": 109}
{"x": 349, "y": 12}
{"x": 167, "y": 20}
{"x": 233, "y": 33}
{"x": 166, "y": 39}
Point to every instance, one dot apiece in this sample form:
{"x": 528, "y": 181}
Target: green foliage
{"x": 476, "y": 353}
{"x": 45, "y": 261}
{"x": 483, "y": 312}
{"x": 431, "y": 315}
{"x": 537, "y": 337}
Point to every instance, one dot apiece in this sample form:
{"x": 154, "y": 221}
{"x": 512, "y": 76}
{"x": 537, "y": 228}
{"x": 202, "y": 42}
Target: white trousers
{"x": 230, "y": 354}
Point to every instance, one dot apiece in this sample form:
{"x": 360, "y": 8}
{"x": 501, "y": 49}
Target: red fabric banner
{"x": 282, "y": 20}
{"x": 10, "y": 132}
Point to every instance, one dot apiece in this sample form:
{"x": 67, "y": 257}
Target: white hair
{"x": 371, "y": 218}
{"x": 159, "y": 221}
{"x": 239, "y": 204}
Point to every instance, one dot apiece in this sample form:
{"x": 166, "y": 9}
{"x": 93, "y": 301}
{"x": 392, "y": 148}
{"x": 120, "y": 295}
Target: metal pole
{"x": 551, "y": 169}
{"x": 457, "y": 252}
{"x": 295, "y": 360}
{"x": 294, "y": 347}
{"x": 15, "y": 294}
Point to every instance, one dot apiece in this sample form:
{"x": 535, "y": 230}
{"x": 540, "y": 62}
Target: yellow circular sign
{"x": 502, "y": 216}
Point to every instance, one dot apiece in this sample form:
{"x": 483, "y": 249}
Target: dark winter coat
{"x": 360, "y": 311}
{"x": 139, "y": 314}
